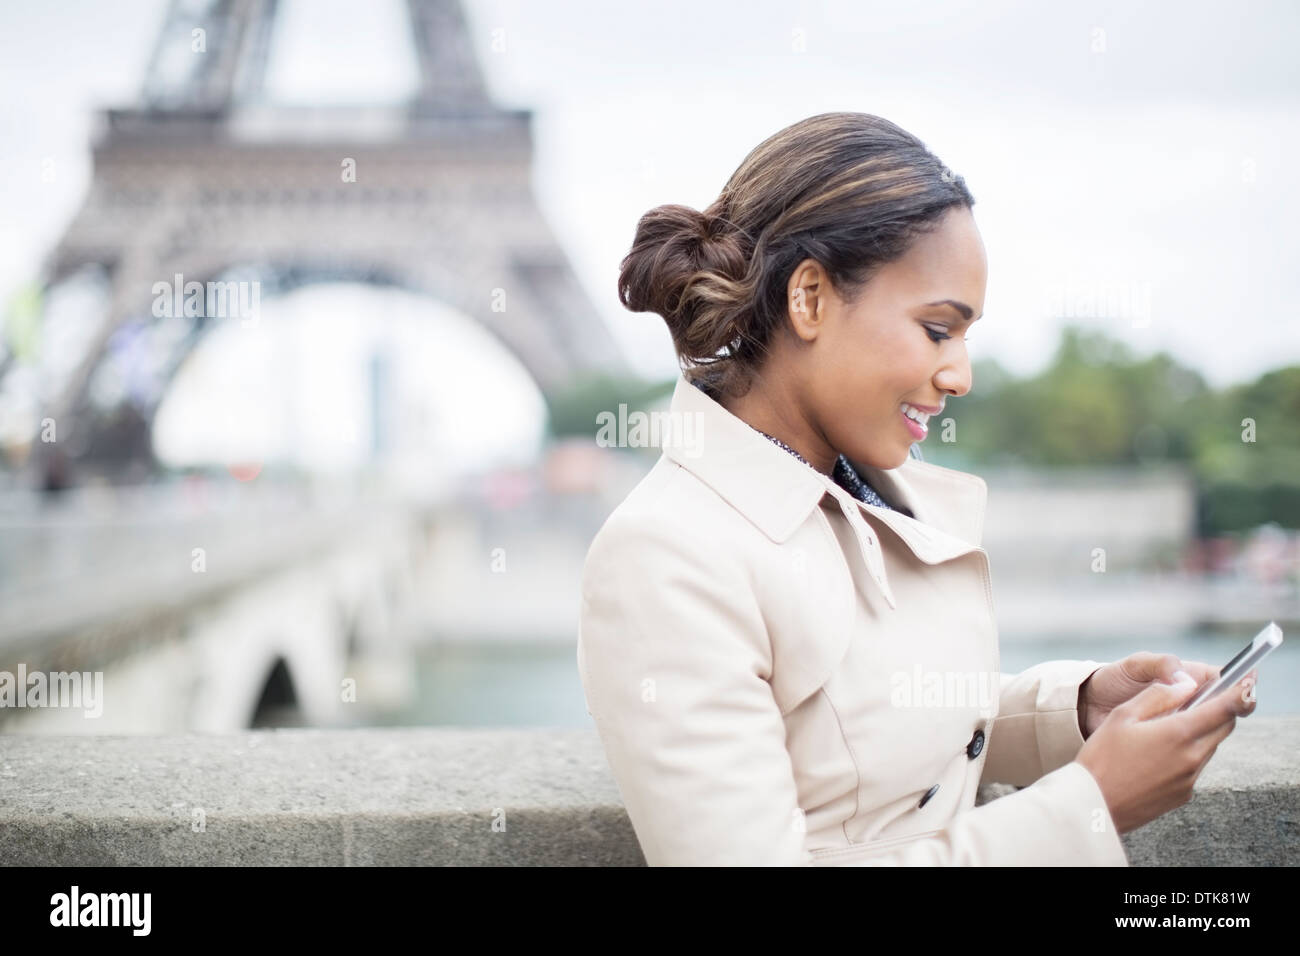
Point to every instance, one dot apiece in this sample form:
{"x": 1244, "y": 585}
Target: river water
{"x": 535, "y": 684}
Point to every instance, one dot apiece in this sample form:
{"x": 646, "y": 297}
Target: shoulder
{"x": 676, "y": 570}
{"x": 672, "y": 513}
{"x": 665, "y": 586}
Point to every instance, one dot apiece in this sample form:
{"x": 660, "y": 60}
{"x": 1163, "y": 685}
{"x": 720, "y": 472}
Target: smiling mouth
{"x": 917, "y": 422}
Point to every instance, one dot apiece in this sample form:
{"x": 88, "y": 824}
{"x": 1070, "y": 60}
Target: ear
{"x": 806, "y": 300}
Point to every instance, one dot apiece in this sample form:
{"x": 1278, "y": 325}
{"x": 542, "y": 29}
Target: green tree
{"x": 572, "y": 410}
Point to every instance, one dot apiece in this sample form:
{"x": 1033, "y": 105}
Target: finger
{"x": 1210, "y": 749}
{"x": 1146, "y": 666}
{"x": 1218, "y": 736}
{"x": 1208, "y": 744}
{"x": 1158, "y": 699}
{"x": 1200, "y": 671}
{"x": 1246, "y": 696}
{"x": 1207, "y": 717}
{"x": 1242, "y": 696}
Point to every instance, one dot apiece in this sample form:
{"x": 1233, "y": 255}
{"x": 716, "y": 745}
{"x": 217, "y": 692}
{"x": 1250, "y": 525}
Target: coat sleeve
{"x": 1036, "y": 729}
{"x": 675, "y": 662}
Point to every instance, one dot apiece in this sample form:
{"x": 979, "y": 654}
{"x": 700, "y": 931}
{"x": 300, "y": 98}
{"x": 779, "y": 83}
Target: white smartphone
{"x": 1239, "y": 666}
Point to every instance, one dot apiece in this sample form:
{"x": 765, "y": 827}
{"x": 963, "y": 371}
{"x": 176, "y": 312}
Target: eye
{"x": 936, "y": 335}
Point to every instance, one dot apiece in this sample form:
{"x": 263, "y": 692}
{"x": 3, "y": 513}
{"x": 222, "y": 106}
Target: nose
{"x": 955, "y": 377}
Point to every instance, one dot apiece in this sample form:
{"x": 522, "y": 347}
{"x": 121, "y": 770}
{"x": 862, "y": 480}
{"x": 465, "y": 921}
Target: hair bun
{"x": 710, "y": 225}
{"x": 687, "y": 266}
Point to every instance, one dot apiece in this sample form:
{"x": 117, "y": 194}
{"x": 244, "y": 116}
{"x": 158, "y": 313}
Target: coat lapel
{"x": 765, "y": 483}
{"x": 778, "y": 493}
{"x": 947, "y": 507}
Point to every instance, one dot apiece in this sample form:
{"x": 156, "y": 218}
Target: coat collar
{"x": 777, "y": 492}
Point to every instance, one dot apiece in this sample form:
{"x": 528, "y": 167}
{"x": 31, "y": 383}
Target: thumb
{"x": 1159, "y": 698}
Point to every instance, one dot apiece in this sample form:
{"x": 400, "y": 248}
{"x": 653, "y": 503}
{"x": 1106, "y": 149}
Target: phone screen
{"x": 1241, "y": 664}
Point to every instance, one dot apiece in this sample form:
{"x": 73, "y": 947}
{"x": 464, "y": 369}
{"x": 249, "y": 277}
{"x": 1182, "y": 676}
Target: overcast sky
{"x": 1142, "y": 152}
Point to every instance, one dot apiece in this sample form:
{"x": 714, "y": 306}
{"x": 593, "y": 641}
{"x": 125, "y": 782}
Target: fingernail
{"x": 1182, "y": 677}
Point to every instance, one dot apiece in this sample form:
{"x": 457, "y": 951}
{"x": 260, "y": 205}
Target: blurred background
{"x": 309, "y": 314}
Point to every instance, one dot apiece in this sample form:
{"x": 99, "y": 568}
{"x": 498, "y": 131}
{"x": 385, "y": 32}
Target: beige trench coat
{"x": 782, "y": 674}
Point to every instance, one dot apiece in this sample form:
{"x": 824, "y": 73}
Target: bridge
{"x": 211, "y": 609}
{"x": 249, "y": 593}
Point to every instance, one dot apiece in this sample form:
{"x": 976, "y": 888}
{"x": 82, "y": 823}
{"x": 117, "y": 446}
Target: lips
{"x": 916, "y": 420}
{"x": 917, "y": 413}
{"x": 927, "y": 409}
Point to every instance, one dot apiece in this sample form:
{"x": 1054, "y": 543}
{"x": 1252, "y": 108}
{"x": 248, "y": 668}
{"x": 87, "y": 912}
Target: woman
{"x": 787, "y": 633}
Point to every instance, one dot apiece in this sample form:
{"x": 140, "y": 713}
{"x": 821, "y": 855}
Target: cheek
{"x": 873, "y": 391}
{"x": 916, "y": 359}
{"x": 872, "y": 374}
{"x": 901, "y": 366}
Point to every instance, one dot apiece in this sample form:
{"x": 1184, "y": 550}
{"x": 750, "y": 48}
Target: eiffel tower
{"x": 208, "y": 179}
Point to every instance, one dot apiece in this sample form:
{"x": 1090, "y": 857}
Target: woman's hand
{"x": 1113, "y": 684}
{"x": 1146, "y": 756}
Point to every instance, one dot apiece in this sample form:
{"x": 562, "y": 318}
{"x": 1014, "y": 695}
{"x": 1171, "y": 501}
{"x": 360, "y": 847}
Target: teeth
{"x": 916, "y": 416}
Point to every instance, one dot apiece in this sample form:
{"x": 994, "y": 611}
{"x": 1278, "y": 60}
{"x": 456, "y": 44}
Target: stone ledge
{"x": 383, "y": 797}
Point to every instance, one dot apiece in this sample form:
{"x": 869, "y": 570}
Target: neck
{"x": 778, "y": 415}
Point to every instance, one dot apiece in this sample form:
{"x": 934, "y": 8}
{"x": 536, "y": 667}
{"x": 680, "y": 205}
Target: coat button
{"x": 976, "y": 745}
{"x": 928, "y": 794}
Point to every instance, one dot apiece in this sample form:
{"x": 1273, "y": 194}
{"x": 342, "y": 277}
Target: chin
{"x": 884, "y": 462}
{"x": 907, "y": 453}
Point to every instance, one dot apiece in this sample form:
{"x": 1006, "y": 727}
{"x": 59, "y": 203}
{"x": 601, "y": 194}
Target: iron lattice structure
{"x": 207, "y": 179}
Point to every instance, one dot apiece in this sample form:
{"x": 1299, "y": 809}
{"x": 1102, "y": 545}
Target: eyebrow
{"x": 965, "y": 310}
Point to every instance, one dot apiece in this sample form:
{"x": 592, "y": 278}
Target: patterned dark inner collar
{"x": 844, "y": 474}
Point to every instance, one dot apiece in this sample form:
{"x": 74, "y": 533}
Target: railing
{"x": 421, "y": 796}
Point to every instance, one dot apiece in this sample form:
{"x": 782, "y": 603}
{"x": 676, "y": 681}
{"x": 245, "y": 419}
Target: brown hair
{"x": 850, "y": 190}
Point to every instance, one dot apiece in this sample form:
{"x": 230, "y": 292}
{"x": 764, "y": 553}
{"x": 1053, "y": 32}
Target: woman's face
{"x": 860, "y": 364}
